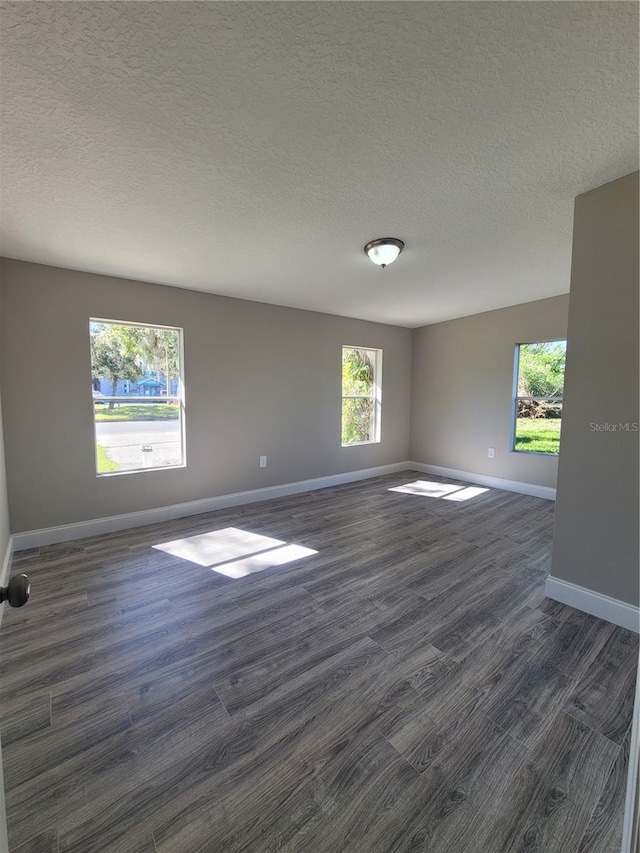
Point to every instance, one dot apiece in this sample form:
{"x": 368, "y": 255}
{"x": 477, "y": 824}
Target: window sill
{"x": 140, "y": 470}
{"x": 535, "y": 453}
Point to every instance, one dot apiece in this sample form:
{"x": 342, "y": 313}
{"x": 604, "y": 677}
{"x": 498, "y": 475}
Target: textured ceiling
{"x": 252, "y": 149}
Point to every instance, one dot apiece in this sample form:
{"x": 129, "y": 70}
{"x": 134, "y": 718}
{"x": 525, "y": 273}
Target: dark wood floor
{"x": 407, "y": 688}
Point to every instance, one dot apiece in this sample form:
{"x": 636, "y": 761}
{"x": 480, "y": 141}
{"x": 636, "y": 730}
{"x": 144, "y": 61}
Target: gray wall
{"x": 596, "y": 532}
{"x": 259, "y": 380}
{"x": 4, "y": 506}
{"x": 462, "y": 390}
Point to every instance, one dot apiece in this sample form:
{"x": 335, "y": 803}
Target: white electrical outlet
{"x": 263, "y": 461}
{"x": 491, "y": 453}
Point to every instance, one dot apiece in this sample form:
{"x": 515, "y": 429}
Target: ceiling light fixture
{"x": 384, "y": 250}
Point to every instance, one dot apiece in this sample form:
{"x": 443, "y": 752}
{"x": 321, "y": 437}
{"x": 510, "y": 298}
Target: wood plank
{"x": 44, "y": 842}
{"x": 603, "y": 699}
{"x": 553, "y": 795}
{"x": 527, "y": 700}
{"x": 444, "y": 806}
{"x": 576, "y": 642}
{"x": 423, "y": 730}
{"x": 28, "y": 758}
{"x": 21, "y": 719}
{"x": 604, "y": 833}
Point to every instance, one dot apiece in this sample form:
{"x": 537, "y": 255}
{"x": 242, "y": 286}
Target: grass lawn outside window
{"x": 136, "y": 412}
{"x": 538, "y": 435}
{"x": 104, "y": 463}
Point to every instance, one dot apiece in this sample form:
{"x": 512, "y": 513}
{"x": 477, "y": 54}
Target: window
{"x": 361, "y": 395}
{"x": 538, "y": 392}
{"x": 138, "y": 396}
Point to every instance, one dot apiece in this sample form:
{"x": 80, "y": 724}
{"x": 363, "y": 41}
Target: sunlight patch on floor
{"x": 233, "y": 552}
{"x": 445, "y": 491}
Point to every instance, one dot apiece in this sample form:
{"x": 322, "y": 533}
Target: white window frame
{"x": 516, "y": 399}
{"x": 178, "y": 398}
{"x": 376, "y": 396}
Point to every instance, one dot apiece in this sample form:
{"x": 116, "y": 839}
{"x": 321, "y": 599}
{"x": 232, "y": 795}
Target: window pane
{"x": 539, "y": 434}
{"x": 357, "y": 420}
{"x": 136, "y": 386}
{"x": 541, "y": 369}
{"x": 358, "y": 366}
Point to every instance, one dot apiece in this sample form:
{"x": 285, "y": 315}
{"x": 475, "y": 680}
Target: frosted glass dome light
{"x": 384, "y": 251}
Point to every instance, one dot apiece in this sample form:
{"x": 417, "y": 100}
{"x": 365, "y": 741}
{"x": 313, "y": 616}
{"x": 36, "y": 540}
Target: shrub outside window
{"x": 361, "y": 395}
{"x": 538, "y": 396}
{"x": 138, "y": 396}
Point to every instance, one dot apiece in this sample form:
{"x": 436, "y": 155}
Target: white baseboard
{"x": 610, "y": 609}
{"x": 113, "y": 523}
{"x": 484, "y": 480}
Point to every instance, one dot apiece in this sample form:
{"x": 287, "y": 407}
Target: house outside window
{"x": 361, "y": 395}
{"x": 138, "y": 396}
